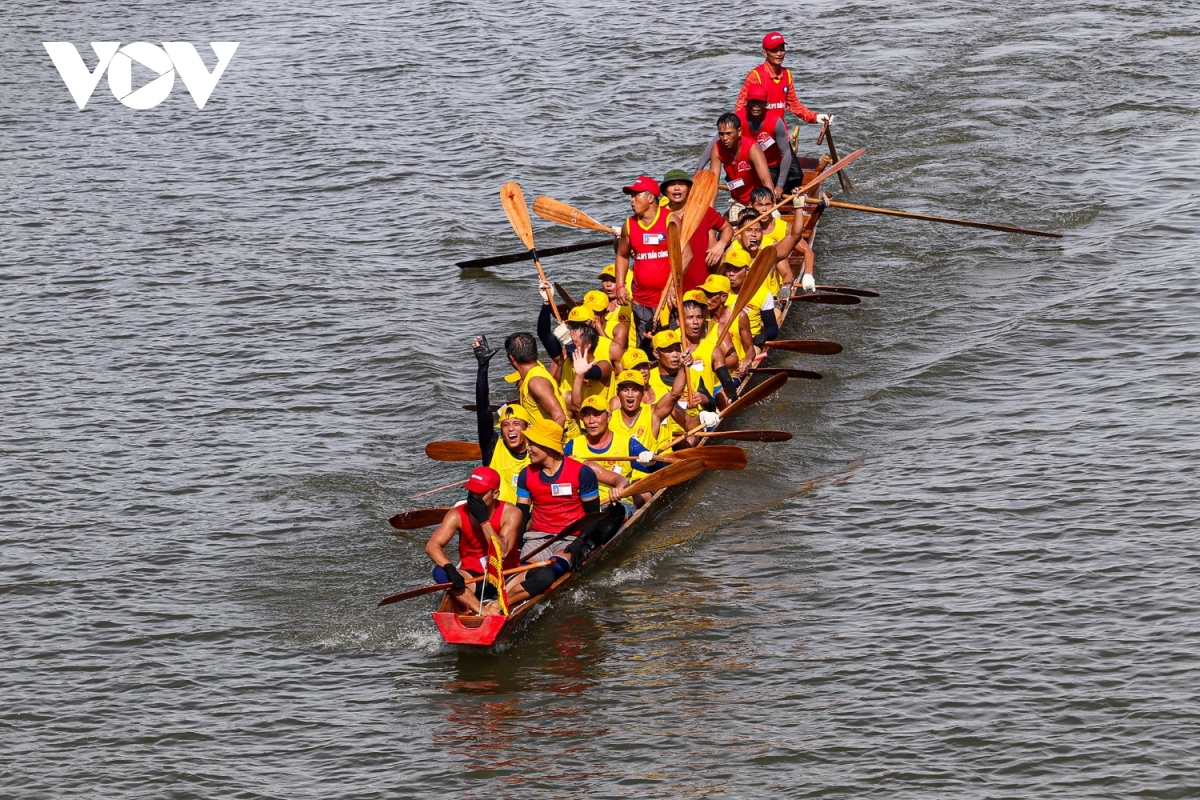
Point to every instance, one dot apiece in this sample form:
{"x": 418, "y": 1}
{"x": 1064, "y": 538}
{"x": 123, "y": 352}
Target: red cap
{"x": 772, "y": 40}
{"x": 642, "y": 184}
{"x": 756, "y": 91}
{"x": 482, "y": 479}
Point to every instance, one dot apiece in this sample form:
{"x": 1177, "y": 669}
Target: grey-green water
{"x": 227, "y": 335}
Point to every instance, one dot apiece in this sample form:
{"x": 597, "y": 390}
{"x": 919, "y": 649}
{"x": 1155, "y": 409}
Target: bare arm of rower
{"x": 785, "y": 150}
{"x": 510, "y": 528}
{"x": 718, "y": 243}
{"x": 623, "y": 253}
{"x": 707, "y": 161}
{"x": 743, "y": 330}
{"x": 758, "y": 160}
{"x": 435, "y": 547}
{"x": 543, "y": 393}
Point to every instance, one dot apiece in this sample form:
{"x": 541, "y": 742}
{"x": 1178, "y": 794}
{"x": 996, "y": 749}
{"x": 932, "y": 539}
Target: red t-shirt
{"x": 698, "y": 270}
{"x": 651, "y": 262}
{"x": 765, "y": 135}
{"x": 739, "y": 172}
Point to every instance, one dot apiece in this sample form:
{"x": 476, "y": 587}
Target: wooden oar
{"x": 559, "y": 212}
{"x": 806, "y": 374}
{"x": 743, "y": 436}
{"x": 512, "y": 258}
{"x": 572, "y": 529}
{"x": 565, "y": 295}
{"x": 700, "y": 198}
{"x": 675, "y": 257}
{"x": 440, "y": 587}
{"x": 816, "y": 347}
{"x": 831, "y": 299}
{"x": 513, "y": 200}
{"x": 420, "y": 518}
{"x": 848, "y": 290}
{"x": 763, "y": 264}
{"x": 830, "y": 170}
{"x": 453, "y": 451}
{"x": 843, "y": 176}
{"x": 722, "y": 457}
{"x": 442, "y": 488}
{"x": 749, "y": 398}
{"x": 930, "y": 218}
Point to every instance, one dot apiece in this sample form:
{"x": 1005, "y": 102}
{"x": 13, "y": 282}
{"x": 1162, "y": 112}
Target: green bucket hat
{"x": 675, "y": 176}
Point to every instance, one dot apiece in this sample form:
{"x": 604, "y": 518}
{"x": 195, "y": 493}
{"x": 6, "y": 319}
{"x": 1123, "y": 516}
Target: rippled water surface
{"x": 228, "y": 334}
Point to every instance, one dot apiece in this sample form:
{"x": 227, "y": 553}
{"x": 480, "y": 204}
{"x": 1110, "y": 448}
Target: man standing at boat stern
{"x": 778, "y": 81}
{"x": 644, "y": 242}
{"x": 553, "y": 492}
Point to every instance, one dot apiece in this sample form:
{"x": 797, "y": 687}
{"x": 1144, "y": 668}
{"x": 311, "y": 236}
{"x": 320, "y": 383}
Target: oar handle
{"x": 821, "y": 135}
{"x": 930, "y": 218}
{"x": 439, "y": 587}
{"x": 542, "y": 274}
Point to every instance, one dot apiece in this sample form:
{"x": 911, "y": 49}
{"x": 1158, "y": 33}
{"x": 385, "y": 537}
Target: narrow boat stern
{"x": 469, "y": 629}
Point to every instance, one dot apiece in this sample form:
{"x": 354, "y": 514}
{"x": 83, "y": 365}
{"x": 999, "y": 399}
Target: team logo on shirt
{"x": 653, "y": 239}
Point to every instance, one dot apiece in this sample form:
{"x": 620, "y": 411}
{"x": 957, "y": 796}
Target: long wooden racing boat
{"x": 462, "y": 627}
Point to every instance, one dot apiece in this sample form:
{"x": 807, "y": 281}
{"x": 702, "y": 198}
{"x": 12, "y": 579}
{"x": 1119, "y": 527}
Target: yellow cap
{"x": 631, "y": 376}
{"x": 666, "y": 339}
{"x": 715, "y": 284}
{"x": 512, "y": 377}
{"x": 596, "y": 300}
{"x": 696, "y": 296}
{"x": 580, "y": 314}
{"x": 609, "y": 272}
{"x": 514, "y": 411}
{"x": 738, "y": 258}
{"x": 546, "y": 433}
{"x": 634, "y": 356}
{"x": 596, "y": 402}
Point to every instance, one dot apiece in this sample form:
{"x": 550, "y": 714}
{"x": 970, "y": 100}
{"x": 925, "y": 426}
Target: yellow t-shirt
{"x": 615, "y": 318}
{"x": 762, "y": 298}
{"x": 619, "y": 446}
{"x": 590, "y": 387}
{"x": 641, "y": 429}
{"x": 530, "y": 404}
{"x": 509, "y": 467}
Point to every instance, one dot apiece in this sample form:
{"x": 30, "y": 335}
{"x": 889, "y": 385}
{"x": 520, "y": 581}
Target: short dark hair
{"x": 587, "y": 332}
{"x": 729, "y": 119}
{"x": 761, "y": 193}
{"x": 693, "y": 304}
{"x": 522, "y": 347}
{"x": 747, "y": 216}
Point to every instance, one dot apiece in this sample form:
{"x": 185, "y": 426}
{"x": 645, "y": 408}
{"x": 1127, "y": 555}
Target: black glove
{"x": 457, "y": 581}
{"x": 760, "y": 340}
{"x": 477, "y": 508}
{"x": 575, "y": 548}
{"x": 483, "y": 354}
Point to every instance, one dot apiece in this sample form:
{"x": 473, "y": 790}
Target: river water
{"x": 228, "y": 334}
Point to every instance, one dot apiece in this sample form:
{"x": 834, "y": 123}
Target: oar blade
{"x": 453, "y": 451}
{"x": 671, "y": 475}
{"x": 720, "y": 456}
{"x": 420, "y": 518}
{"x": 831, "y": 299}
{"x": 749, "y": 436}
{"x": 513, "y": 201}
{"x": 700, "y": 198}
{"x": 815, "y": 347}
{"x": 849, "y": 290}
{"x": 803, "y": 374}
{"x": 512, "y": 258}
{"x": 566, "y": 296}
{"x": 560, "y": 213}
{"x": 755, "y": 394}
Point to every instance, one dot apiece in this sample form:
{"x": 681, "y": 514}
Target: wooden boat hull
{"x": 460, "y": 628}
